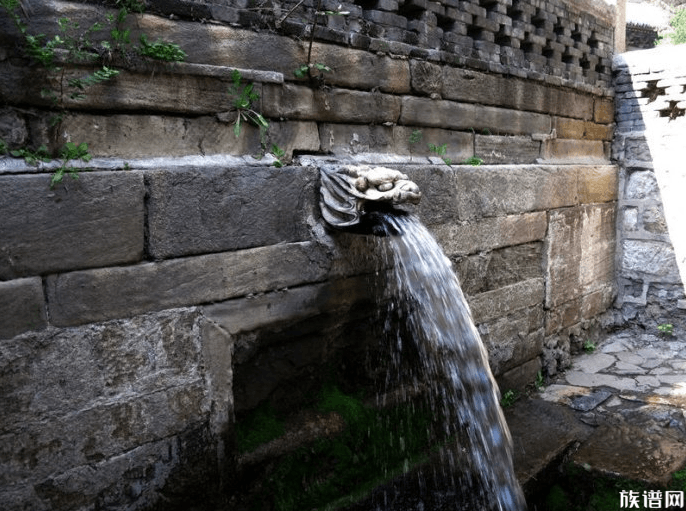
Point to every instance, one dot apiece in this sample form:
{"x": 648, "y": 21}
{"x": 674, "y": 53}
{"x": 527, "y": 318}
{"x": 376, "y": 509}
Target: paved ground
{"x": 620, "y": 409}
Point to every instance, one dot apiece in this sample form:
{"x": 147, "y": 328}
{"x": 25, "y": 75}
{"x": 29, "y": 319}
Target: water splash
{"x": 427, "y": 318}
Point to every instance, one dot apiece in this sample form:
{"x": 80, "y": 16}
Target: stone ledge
{"x": 106, "y": 293}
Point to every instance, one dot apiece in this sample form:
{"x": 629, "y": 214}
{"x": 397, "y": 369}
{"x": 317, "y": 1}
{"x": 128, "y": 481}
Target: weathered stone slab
{"x": 59, "y": 372}
{"x": 642, "y": 185}
{"x": 345, "y": 139}
{"x": 490, "y": 233}
{"x": 580, "y": 252}
{"x": 96, "y": 220}
{"x": 289, "y": 305}
{"x": 581, "y": 130}
{"x": 493, "y": 149}
{"x": 292, "y": 101}
{"x": 597, "y": 183}
{"x": 463, "y": 116}
{"x": 513, "y": 339}
{"x": 501, "y": 302}
{"x": 107, "y": 293}
{"x": 201, "y": 210}
{"x": 487, "y": 271}
{"x": 520, "y": 377}
{"x": 603, "y": 110}
{"x": 98, "y": 432}
{"x": 138, "y": 136}
{"x": 645, "y": 257}
{"x": 473, "y": 86}
{"x": 576, "y": 151}
{"x": 501, "y": 190}
{"x": 23, "y": 307}
{"x": 468, "y": 193}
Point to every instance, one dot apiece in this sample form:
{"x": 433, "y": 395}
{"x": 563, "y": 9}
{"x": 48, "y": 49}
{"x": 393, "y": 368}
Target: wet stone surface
{"x": 631, "y": 389}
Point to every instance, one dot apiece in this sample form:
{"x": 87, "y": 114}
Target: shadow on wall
{"x": 649, "y": 147}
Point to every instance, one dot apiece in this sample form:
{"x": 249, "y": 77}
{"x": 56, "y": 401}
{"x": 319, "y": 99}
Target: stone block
{"x": 642, "y": 185}
{"x": 646, "y": 258}
{"x": 23, "y": 306}
{"x": 287, "y": 306}
{"x": 59, "y": 372}
{"x": 514, "y": 338}
{"x": 201, "y": 210}
{"x": 579, "y": 252}
{"x": 597, "y": 183}
{"x": 89, "y": 296}
{"x": 603, "y": 110}
{"x": 217, "y": 350}
{"x": 509, "y": 189}
{"x": 519, "y": 377}
{"x": 427, "y": 78}
{"x": 495, "y": 149}
{"x": 566, "y": 151}
{"x": 487, "y": 271}
{"x": 462, "y": 116}
{"x": 500, "y": 302}
{"x": 329, "y": 105}
{"x": 473, "y": 86}
{"x": 141, "y": 136}
{"x": 96, "y": 220}
{"x": 581, "y": 130}
{"x": 95, "y": 434}
{"x": 13, "y": 130}
{"x": 490, "y": 233}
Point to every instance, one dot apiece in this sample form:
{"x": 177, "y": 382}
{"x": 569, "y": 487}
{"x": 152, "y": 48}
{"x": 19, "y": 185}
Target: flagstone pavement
{"x": 620, "y": 409}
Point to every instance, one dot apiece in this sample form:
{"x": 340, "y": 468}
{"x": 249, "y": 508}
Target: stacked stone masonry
{"x": 562, "y": 42}
{"x": 648, "y": 145}
{"x": 181, "y": 282}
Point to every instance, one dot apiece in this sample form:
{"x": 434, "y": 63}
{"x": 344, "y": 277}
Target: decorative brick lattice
{"x": 558, "y": 41}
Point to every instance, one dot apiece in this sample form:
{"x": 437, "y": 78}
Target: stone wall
{"x": 182, "y": 282}
{"x": 649, "y": 148}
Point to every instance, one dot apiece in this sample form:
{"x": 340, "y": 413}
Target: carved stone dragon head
{"x": 347, "y": 190}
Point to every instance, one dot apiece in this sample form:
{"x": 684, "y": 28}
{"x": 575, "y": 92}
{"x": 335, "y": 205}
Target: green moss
{"x": 375, "y": 446}
{"x": 258, "y": 428}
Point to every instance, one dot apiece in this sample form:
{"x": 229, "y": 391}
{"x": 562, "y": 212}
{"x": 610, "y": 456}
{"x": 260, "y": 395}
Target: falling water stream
{"x": 423, "y": 291}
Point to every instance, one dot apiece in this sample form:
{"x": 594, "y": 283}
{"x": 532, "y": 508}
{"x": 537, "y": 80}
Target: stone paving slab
{"x": 632, "y": 390}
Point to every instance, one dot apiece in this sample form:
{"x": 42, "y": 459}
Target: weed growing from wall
{"x": 678, "y": 24}
{"x": 76, "y": 45}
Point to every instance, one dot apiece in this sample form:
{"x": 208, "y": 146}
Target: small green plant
{"x": 539, "y": 382}
{"x": 666, "y": 329}
{"x": 69, "y": 152}
{"x": 440, "y": 151}
{"x": 4, "y": 148}
{"x": 589, "y": 346}
{"x": 678, "y": 23}
{"x": 305, "y": 69}
{"x": 80, "y": 84}
{"x": 278, "y": 153}
{"x": 32, "y": 157}
{"x": 244, "y": 97}
{"x": 416, "y": 136}
{"x": 509, "y": 398}
{"x": 474, "y": 161}
{"x": 161, "y": 50}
